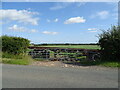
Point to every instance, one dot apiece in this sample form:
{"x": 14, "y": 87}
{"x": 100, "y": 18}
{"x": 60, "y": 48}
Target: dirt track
{"x": 64, "y": 65}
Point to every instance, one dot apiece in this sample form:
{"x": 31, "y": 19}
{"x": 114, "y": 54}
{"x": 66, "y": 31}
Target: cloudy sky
{"x": 58, "y": 22}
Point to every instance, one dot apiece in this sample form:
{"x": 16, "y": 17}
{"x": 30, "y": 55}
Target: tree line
{"x": 46, "y": 44}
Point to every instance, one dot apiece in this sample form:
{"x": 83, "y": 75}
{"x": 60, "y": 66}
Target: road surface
{"x": 15, "y": 76}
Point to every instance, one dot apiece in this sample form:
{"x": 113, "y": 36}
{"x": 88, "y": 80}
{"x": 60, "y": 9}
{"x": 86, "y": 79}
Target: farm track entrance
{"x": 60, "y": 54}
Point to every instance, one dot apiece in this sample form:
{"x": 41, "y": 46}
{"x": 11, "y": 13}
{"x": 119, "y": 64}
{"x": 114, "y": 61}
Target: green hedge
{"x": 14, "y": 45}
{"x": 110, "y": 44}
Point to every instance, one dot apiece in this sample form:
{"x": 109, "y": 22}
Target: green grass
{"x": 101, "y": 63}
{"x": 7, "y": 55}
{"x": 41, "y": 59}
{"x": 16, "y": 59}
{"x": 74, "y": 46}
{"x": 110, "y": 64}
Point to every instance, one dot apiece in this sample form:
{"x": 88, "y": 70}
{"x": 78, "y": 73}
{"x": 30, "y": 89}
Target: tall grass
{"x": 16, "y": 59}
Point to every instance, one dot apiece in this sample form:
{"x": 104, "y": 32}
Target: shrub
{"x": 110, "y": 43}
{"x": 14, "y": 45}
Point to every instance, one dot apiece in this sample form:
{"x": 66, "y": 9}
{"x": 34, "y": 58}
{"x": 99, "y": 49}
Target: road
{"x": 15, "y": 76}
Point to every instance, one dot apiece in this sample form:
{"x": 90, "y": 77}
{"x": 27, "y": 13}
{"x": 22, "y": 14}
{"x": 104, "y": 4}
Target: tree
{"x": 110, "y": 43}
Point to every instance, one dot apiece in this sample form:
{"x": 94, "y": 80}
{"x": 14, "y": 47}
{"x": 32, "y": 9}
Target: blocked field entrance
{"x": 60, "y": 54}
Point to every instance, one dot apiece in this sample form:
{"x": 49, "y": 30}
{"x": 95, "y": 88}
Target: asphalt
{"x": 20, "y": 76}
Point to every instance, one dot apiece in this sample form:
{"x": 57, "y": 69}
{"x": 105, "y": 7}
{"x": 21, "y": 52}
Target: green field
{"x": 74, "y": 46}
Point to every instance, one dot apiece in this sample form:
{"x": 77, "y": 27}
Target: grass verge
{"x": 41, "y": 59}
{"x": 16, "y": 59}
{"x": 101, "y": 63}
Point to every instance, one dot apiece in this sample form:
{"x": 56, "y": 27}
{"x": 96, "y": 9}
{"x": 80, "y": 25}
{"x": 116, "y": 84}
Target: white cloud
{"x": 48, "y": 20}
{"x": 80, "y": 4}
{"x": 23, "y": 16}
{"x": 29, "y": 8}
{"x": 92, "y": 29}
{"x": 62, "y": 5}
{"x": 50, "y": 33}
{"x": 33, "y": 30}
{"x": 21, "y": 29}
{"x": 17, "y": 28}
{"x": 101, "y": 15}
{"x": 56, "y": 20}
{"x": 58, "y": 6}
{"x": 75, "y": 20}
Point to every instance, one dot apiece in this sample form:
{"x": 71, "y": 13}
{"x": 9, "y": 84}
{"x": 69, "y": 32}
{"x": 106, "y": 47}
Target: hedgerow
{"x": 110, "y": 44}
{"x": 14, "y": 45}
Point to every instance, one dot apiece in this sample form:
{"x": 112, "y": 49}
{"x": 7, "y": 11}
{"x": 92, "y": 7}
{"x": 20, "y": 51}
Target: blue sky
{"x": 55, "y": 22}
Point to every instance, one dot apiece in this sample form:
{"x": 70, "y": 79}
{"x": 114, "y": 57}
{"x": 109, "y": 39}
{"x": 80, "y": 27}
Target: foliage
{"x": 110, "y": 43}
{"x": 14, "y": 45}
{"x": 9, "y": 55}
{"x": 8, "y": 58}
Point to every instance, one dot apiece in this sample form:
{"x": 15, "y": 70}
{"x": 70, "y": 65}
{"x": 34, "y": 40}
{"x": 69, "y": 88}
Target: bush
{"x": 110, "y": 43}
{"x": 14, "y": 45}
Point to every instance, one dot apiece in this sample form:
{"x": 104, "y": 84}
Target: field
{"x": 74, "y": 46}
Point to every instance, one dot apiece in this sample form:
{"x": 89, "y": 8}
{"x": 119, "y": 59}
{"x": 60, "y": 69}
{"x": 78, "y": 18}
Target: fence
{"x": 69, "y": 54}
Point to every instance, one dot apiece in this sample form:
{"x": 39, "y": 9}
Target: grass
{"x": 101, "y": 63}
{"x": 74, "y": 46}
{"x": 41, "y": 59}
{"x": 16, "y": 59}
{"x": 110, "y": 64}
{"x": 26, "y": 60}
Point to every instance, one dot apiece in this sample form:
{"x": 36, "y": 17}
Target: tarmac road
{"x": 15, "y": 76}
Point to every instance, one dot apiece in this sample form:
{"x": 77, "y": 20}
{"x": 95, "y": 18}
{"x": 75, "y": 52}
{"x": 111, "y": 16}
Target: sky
{"x": 58, "y": 22}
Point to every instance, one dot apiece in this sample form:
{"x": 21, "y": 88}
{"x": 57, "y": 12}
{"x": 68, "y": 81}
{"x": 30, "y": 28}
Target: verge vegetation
{"x": 110, "y": 44}
{"x": 14, "y": 50}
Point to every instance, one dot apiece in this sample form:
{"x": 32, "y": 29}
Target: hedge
{"x": 14, "y": 45}
{"x": 110, "y": 44}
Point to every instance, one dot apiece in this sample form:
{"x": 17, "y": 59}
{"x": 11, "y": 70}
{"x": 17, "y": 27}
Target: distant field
{"x": 74, "y": 46}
